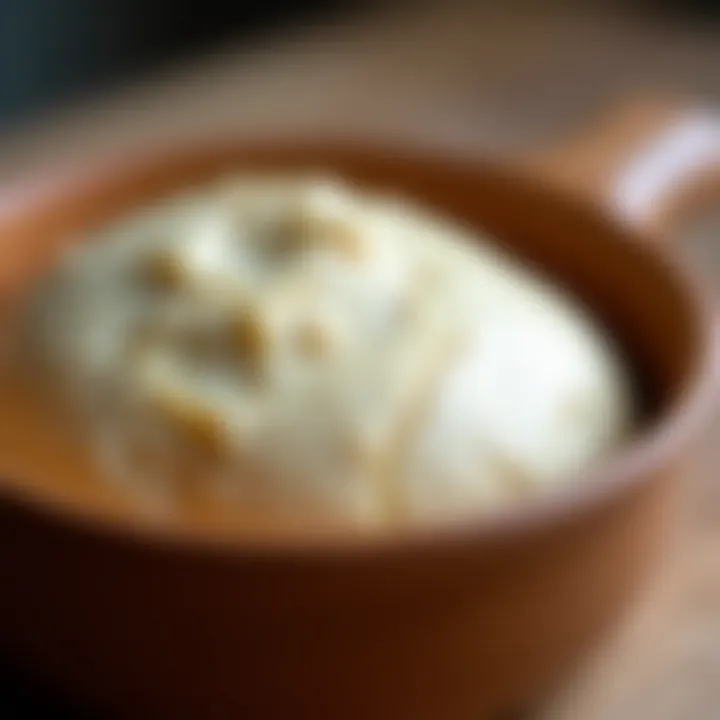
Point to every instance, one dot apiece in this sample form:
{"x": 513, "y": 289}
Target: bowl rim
{"x": 628, "y": 468}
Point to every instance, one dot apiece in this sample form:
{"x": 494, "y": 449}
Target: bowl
{"x": 461, "y": 621}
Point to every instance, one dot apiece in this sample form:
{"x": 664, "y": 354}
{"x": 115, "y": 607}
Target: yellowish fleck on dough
{"x": 165, "y": 269}
{"x": 201, "y": 425}
{"x": 251, "y": 337}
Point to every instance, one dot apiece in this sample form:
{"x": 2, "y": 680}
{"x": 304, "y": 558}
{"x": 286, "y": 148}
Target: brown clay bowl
{"x": 450, "y": 623}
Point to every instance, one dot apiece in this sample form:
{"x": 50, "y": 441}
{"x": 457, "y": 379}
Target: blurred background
{"x": 52, "y": 51}
{"x": 78, "y": 76}
{"x": 83, "y": 77}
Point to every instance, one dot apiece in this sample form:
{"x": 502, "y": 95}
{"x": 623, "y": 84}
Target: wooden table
{"x": 480, "y": 80}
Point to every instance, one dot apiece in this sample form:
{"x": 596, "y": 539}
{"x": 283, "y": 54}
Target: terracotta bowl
{"x": 454, "y": 623}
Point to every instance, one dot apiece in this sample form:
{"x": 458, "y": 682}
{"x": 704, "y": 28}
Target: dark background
{"x": 52, "y": 51}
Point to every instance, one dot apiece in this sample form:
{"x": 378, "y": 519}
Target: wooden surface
{"x": 479, "y": 80}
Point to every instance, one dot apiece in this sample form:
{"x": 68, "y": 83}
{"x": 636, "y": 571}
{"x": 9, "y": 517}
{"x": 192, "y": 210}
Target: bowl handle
{"x": 650, "y": 164}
